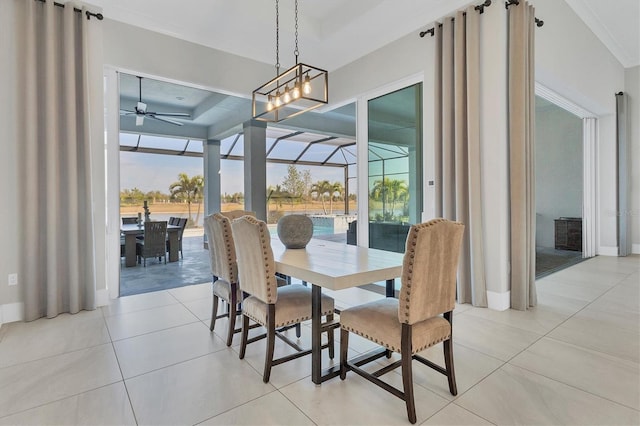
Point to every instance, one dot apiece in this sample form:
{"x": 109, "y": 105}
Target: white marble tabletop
{"x": 336, "y": 266}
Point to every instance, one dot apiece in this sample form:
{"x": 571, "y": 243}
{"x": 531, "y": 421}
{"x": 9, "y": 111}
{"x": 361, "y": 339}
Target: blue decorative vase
{"x": 295, "y": 231}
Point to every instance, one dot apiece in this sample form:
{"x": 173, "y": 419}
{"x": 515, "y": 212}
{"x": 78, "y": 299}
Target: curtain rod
{"x": 89, "y": 14}
{"x": 479, "y": 8}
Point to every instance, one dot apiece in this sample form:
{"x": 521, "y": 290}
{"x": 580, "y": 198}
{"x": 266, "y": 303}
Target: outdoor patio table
{"x": 334, "y": 266}
{"x": 130, "y": 232}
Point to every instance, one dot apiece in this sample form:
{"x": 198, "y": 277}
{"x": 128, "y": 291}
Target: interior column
{"x": 211, "y": 157}
{"x": 255, "y": 168}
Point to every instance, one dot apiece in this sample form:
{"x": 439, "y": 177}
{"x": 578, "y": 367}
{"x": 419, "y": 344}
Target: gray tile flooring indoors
{"x": 150, "y": 359}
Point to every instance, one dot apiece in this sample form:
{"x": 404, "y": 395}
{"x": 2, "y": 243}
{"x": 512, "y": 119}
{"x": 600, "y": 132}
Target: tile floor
{"x": 150, "y": 359}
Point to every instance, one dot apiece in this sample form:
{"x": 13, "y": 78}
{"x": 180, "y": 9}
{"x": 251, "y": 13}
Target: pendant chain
{"x": 277, "y": 39}
{"x": 296, "y": 52}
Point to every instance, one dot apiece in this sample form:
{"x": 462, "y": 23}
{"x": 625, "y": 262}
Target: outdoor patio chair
{"x": 154, "y": 243}
{"x": 421, "y": 317}
{"x": 182, "y": 223}
{"x": 265, "y": 303}
{"x": 129, "y": 220}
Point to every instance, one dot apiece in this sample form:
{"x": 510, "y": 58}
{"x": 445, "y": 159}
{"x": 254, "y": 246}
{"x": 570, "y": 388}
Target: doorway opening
{"x": 559, "y": 188}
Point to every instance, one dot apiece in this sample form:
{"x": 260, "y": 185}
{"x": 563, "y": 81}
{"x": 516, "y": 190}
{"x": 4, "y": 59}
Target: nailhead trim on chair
{"x": 412, "y": 252}
{"x": 266, "y": 242}
{"x": 294, "y": 321}
{"x": 227, "y": 235}
{"x": 393, "y": 348}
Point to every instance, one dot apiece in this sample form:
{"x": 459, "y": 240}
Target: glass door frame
{"x": 362, "y": 144}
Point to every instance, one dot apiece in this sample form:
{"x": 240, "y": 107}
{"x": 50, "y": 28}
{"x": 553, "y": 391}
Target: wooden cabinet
{"x": 569, "y": 233}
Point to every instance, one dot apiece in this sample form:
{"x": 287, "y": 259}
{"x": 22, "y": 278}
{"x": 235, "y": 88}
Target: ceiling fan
{"x": 140, "y": 111}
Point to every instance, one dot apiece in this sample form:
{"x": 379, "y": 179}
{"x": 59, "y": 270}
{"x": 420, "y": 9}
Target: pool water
{"x": 317, "y": 230}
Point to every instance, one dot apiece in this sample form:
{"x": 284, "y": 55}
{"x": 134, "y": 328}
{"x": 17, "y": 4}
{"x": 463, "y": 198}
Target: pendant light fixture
{"x": 297, "y": 90}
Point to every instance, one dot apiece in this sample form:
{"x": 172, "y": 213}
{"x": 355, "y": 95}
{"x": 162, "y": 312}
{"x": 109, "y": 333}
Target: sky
{"x": 150, "y": 172}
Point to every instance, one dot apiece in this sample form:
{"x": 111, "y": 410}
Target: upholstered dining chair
{"x": 154, "y": 243}
{"x": 265, "y": 303}
{"x": 421, "y": 317}
{"x": 222, "y": 260}
{"x": 127, "y": 220}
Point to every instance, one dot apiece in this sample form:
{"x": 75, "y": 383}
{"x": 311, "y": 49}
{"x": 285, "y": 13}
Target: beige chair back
{"x": 256, "y": 267}
{"x": 429, "y": 270}
{"x": 222, "y": 252}
{"x": 235, "y": 214}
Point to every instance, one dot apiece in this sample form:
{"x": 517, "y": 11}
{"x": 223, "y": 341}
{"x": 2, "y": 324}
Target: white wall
{"x": 558, "y": 169}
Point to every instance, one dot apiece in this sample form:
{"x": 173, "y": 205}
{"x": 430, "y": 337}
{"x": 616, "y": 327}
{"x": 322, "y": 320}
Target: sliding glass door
{"x": 395, "y": 166}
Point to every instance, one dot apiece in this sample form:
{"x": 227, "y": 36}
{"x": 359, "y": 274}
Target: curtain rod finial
{"x": 430, "y": 31}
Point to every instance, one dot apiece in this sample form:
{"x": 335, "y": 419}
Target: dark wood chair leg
{"x": 330, "y": 339}
{"x": 233, "y": 305}
{"x": 344, "y": 347}
{"x": 214, "y": 312}
{"x": 271, "y": 341}
{"x": 245, "y": 335}
{"x": 448, "y": 362}
{"x": 407, "y": 374}
{"x": 448, "y": 356}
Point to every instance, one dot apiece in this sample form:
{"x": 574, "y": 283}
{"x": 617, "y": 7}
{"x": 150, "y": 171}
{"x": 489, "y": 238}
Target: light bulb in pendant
{"x": 306, "y": 87}
{"x": 295, "y": 92}
{"x": 286, "y": 97}
{"x": 277, "y": 101}
{"x": 269, "y": 104}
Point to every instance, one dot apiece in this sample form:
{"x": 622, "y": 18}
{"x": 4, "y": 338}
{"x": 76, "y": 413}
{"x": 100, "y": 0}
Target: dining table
{"x": 335, "y": 266}
{"x": 131, "y": 231}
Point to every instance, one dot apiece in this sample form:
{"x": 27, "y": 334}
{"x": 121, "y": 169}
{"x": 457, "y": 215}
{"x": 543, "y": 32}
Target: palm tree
{"x": 336, "y": 188}
{"x": 398, "y": 190}
{"x": 389, "y": 191}
{"x": 380, "y": 192}
{"x": 321, "y": 188}
{"x": 187, "y": 189}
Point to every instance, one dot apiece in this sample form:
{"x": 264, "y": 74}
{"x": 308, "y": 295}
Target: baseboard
{"x": 11, "y": 312}
{"x": 498, "y": 301}
{"x": 607, "y": 251}
{"x": 635, "y": 248}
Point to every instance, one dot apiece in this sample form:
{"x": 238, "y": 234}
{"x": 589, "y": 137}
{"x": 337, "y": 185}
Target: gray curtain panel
{"x": 458, "y": 145}
{"x": 522, "y": 154}
{"x": 57, "y": 252}
{"x": 623, "y": 181}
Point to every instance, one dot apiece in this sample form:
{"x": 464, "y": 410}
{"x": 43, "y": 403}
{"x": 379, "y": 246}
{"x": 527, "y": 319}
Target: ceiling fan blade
{"x": 126, "y": 112}
{"x": 139, "y": 120}
{"x": 141, "y": 107}
{"x": 166, "y": 120}
{"x": 170, "y": 114}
